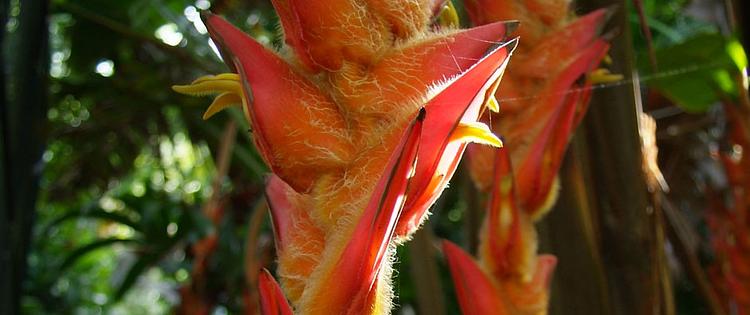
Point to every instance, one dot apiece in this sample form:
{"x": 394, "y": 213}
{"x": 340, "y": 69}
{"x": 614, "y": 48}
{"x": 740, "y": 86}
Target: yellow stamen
{"x": 227, "y": 85}
{"x": 449, "y": 15}
{"x": 607, "y": 59}
{"x": 476, "y": 132}
{"x": 221, "y": 102}
{"x": 603, "y": 75}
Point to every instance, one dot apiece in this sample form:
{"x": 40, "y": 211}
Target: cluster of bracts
{"x": 364, "y": 116}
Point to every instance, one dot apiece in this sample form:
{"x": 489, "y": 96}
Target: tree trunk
{"x": 22, "y": 119}
{"x": 571, "y": 232}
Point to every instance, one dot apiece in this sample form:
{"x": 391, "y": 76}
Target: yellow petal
{"x": 493, "y": 105}
{"x": 491, "y": 101}
{"x": 603, "y": 75}
{"x": 211, "y": 84}
{"x": 476, "y": 132}
{"x": 221, "y": 76}
{"x": 222, "y": 102}
{"x": 208, "y": 87}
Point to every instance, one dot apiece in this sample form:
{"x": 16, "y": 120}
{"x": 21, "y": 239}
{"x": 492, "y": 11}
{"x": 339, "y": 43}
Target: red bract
{"x": 509, "y": 277}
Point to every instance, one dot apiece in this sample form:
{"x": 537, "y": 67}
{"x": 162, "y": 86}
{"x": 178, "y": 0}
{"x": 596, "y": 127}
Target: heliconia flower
{"x": 508, "y": 278}
{"x": 546, "y": 93}
{"x": 362, "y": 123}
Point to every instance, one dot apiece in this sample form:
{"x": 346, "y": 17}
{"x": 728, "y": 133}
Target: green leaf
{"x": 135, "y": 271}
{"x": 96, "y": 213}
{"x": 696, "y": 73}
{"x": 78, "y": 253}
{"x": 150, "y": 257}
{"x": 737, "y": 53}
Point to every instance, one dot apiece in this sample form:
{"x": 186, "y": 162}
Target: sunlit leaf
{"x": 697, "y": 73}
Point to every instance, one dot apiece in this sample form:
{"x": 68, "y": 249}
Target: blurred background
{"x": 119, "y": 199}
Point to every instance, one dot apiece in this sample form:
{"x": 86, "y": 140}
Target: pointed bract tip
{"x": 511, "y": 26}
{"x": 448, "y": 247}
{"x": 272, "y": 300}
{"x": 545, "y": 268}
{"x": 422, "y": 114}
{"x": 211, "y": 20}
{"x": 205, "y": 15}
{"x": 279, "y": 207}
{"x": 268, "y": 177}
{"x": 476, "y": 292}
{"x": 451, "y": 251}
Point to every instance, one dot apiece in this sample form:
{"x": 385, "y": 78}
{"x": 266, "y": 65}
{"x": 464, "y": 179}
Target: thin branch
{"x": 646, "y": 30}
